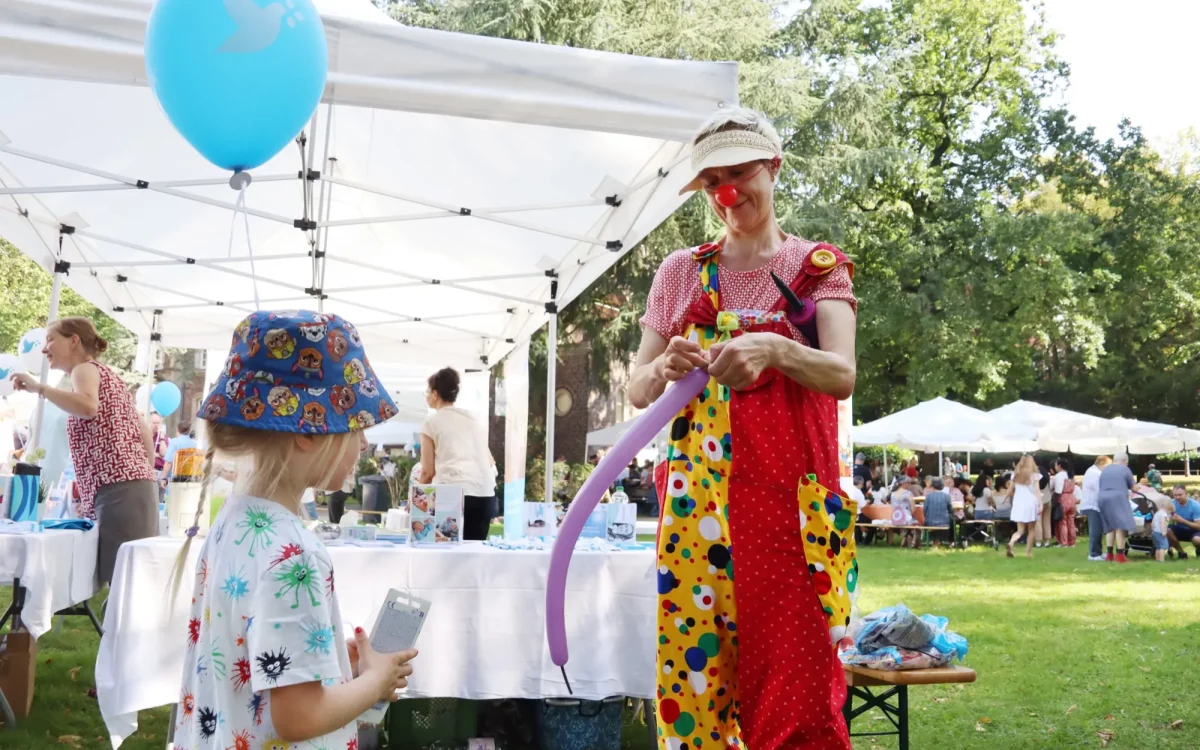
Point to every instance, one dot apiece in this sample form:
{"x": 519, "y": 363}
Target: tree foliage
{"x": 25, "y": 291}
{"x": 1002, "y": 252}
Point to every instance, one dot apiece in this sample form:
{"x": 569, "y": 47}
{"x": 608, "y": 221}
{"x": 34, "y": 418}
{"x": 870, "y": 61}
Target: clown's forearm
{"x": 820, "y": 371}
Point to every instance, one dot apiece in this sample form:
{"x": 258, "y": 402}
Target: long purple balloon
{"x": 659, "y": 415}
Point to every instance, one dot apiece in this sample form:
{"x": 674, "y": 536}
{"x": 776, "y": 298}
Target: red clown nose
{"x": 727, "y": 195}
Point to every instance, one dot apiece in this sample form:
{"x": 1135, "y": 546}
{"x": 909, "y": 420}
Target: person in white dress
{"x": 1026, "y": 503}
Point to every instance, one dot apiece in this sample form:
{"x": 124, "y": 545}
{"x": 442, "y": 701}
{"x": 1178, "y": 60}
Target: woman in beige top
{"x": 454, "y": 451}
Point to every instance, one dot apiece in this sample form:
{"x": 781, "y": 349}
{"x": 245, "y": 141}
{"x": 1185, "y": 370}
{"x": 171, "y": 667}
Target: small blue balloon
{"x": 237, "y": 78}
{"x": 165, "y": 398}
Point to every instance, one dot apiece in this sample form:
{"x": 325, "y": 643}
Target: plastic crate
{"x": 422, "y": 723}
{"x": 569, "y": 724}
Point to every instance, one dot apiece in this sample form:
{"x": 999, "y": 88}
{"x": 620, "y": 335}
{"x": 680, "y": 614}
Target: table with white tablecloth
{"x": 485, "y": 636}
{"x": 55, "y": 569}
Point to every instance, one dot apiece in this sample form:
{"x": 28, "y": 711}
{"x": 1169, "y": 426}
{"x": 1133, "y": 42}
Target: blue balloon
{"x": 237, "y": 78}
{"x": 165, "y": 398}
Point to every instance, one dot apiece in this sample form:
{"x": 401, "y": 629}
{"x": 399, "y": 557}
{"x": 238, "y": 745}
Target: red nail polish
{"x": 358, "y": 631}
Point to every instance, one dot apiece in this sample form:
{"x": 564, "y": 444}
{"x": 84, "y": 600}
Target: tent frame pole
{"x": 155, "y": 338}
{"x": 449, "y": 210}
{"x": 61, "y": 269}
{"x": 551, "y": 381}
{"x": 142, "y": 184}
{"x": 108, "y": 187}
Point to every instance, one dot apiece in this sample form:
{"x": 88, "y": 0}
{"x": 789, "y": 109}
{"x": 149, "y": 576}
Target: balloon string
{"x": 564, "y": 674}
{"x": 240, "y": 208}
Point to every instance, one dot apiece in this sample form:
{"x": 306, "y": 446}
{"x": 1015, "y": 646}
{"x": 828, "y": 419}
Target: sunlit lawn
{"x": 1064, "y": 649}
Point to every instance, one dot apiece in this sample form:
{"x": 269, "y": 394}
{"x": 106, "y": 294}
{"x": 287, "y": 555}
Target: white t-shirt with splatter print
{"x": 264, "y": 615}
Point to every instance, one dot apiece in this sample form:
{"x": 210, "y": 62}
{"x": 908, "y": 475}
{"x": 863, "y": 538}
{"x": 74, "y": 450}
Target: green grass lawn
{"x": 1064, "y": 649}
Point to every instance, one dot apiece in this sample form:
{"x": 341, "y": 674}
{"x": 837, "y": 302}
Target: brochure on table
{"x": 541, "y": 519}
{"x": 435, "y": 514}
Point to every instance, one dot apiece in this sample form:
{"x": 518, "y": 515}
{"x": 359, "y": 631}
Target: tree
{"x": 1001, "y": 252}
{"x": 963, "y": 284}
{"x": 1145, "y": 216}
{"x": 25, "y": 289}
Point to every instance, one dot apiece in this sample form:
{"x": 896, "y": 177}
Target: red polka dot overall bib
{"x": 758, "y": 669}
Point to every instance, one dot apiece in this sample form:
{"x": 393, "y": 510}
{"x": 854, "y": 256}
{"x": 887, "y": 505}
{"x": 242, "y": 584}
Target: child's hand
{"x": 388, "y": 672}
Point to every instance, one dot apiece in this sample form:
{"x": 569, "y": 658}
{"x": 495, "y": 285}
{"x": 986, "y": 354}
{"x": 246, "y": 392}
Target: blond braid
{"x": 181, "y": 558}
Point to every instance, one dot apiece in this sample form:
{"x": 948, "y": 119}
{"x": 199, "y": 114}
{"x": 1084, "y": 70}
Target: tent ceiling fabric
{"x": 415, "y": 126}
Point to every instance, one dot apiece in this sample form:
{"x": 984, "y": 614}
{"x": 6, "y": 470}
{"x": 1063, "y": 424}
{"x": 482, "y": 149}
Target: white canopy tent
{"x": 1023, "y": 417}
{"x": 1021, "y": 426}
{"x": 608, "y": 436}
{"x": 1121, "y": 434}
{"x": 449, "y": 195}
{"x": 394, "y": 432}
{"x": 936, "y": 425}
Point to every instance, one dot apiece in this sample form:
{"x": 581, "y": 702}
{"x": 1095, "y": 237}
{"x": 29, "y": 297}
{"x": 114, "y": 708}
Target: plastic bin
{"x": 569, "y": 724}
{"x": 422, "y": 723}
{"x": 376, "y": 497}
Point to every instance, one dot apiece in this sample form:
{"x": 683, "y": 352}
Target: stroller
{"x": 1140, "y": 538}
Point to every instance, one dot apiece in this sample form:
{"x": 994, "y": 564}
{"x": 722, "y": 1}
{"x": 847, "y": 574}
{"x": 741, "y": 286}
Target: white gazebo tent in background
{"x": 1044, "y": 421}
{"x": 936, "y": 425}
{"x": 608, "y": 436}
{"x": 1121, "y": 434}
{"x": 1065, "y": 430}
{"x": 451, "y": 193}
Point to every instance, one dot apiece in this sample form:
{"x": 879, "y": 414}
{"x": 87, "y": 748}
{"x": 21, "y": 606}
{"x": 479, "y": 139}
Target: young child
{"x": 268, "y": 664}
{"x": 1158, "y": 526}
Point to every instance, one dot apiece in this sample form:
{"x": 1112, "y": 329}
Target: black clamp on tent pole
{"x": 552, "y": 305}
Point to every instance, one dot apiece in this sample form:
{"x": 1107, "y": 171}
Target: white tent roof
{"x": 563, "y": 159}
{"x": 939, "y": 424}
{"x": 1121, "y": 434}
{"x": 1022, "y": 418}
{"x": 608, "y": 436}
{"x": 394, "y": 432}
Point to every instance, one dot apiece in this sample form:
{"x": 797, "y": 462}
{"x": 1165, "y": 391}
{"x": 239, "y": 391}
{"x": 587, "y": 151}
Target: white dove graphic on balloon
{"x": 257, "y": 26}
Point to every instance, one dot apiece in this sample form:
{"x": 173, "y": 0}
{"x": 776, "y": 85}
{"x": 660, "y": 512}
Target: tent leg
{"x": 148, "y": 365}
{"x": 551, "y": 378}
{"x": 886, "y": 479}
{"x": 35, "y": 439}
{"x": 155, "y": 338}
{"x": 968, "y": 463}
{"x": 941, "y": 463}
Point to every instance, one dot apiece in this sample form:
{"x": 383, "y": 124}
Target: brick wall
{"x": 570, "y": 429}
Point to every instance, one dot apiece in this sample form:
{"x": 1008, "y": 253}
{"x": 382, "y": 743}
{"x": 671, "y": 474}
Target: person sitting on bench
{"x": 984, "y": 498}
{"x": 939, "y": 513}
{"x": 1185, "y": 522}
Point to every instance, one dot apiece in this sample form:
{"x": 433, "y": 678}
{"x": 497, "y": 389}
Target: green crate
{"x": 424, "y": 723}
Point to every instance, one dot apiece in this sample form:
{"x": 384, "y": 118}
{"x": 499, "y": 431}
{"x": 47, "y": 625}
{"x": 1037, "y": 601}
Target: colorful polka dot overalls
{"x": 757, "y": 669}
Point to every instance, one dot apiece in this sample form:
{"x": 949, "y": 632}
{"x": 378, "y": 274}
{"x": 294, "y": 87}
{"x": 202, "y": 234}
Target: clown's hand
{"x": 681, "y": 357}
{"x": 739, "y": 362}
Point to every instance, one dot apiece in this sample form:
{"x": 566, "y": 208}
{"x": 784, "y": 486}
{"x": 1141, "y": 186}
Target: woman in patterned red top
{"x": 758, "y": 668}
{"x": 110, "y": 444}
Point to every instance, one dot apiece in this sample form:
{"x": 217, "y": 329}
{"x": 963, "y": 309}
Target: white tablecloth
{"x": 57, "y": 569}
{"x": 485, "y": 636}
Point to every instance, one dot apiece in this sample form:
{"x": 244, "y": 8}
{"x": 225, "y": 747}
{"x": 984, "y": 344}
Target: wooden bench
{"x": 893, "y": 700}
